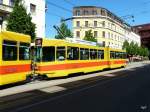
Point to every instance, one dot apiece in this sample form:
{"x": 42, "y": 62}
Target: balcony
{"x": 5, "y": 8}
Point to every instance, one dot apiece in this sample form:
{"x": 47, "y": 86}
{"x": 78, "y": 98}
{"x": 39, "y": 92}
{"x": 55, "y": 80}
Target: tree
{"x": 19, "y": 21}
{"x": 134, "y": 49}
{"x": 125, "y": 44}
{"x": 65, "y": 32}
{"x": 89, "y": 36}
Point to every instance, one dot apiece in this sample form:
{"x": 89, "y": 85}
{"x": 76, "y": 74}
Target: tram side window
{"x": 48, "y": 54}
{"x": 84, "y": 54}
{"x": 9, "y": 50}
{"x": 93, "y": 54}
{"x": 112, "y": 55}
{"x": 72, "y": 53}
{"x": 60, "y": 53}
{"x": 117, "y": 55}
{"x": 100, "y": 54}
{"x": 24, "y": 51}
{"x": 121, "y": 55}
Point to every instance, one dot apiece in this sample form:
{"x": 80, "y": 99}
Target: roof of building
{"x": 119, "y": 18}
{"x": 143, "y": 27}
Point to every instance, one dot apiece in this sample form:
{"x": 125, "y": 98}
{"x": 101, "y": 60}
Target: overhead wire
{"x": 60, "y": 7}
{"x": 69, "y": 2}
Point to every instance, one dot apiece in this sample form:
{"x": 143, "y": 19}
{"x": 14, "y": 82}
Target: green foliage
{"x": 19, "y": 21}
{"x": 125, "y": 44}
{"x": 89, "y": 36}
{"x": 66, "y": 32}
{"x": 134, "y": 49}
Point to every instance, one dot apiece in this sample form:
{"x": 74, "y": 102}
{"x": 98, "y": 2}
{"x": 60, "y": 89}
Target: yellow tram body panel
{"x": 116, "y": 63}
{"x": 12, "y": 71}
{"x": 56, "y": 69}
{"x": 64, "y": 68}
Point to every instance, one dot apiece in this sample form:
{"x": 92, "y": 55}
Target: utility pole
{"x": 58, "y": 30}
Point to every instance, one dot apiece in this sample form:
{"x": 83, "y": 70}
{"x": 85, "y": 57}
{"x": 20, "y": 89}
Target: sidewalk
{"x": 132, "y": 64}
{"x": 51, "y": 83}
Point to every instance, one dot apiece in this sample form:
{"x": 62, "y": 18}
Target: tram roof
{"x": 59, "y": 42}
{"x": 13, "y": 36}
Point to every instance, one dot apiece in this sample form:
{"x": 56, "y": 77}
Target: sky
{"x": 58, "y": 9}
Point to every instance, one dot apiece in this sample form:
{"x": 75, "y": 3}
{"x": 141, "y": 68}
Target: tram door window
{"x": 61, "y": 53}
{"x": 24, "y": 51}
{"x": 93, "y": 54}
{"x": 38, "y": 53}
{"x": 48, "y": 54}
{"x": 100, "y": 54}
{"x": 9, "y": 50}
{"x": 84, "y": 54}
{"x": 72, "y": 53}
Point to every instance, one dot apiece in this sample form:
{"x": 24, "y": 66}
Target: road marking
{"x": 109, "y": 75}
{"x": 52, "y": 89}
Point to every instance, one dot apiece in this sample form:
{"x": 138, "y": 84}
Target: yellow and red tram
{"x": 52, "y": 58}
{"x": 56, "y": 58}
{"x": 15, "y": 63}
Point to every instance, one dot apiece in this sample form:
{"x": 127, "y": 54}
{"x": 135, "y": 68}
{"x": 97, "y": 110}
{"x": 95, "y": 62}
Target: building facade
{"x": 35, "y": 7}
{"x": 144, "y": 32}
{"x": 109, "y": 29}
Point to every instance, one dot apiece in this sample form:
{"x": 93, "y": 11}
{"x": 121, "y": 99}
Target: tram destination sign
{"x": 38, "y": 42}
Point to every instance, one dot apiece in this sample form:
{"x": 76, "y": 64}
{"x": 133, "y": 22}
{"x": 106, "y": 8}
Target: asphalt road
{"x": 129, "y": 91}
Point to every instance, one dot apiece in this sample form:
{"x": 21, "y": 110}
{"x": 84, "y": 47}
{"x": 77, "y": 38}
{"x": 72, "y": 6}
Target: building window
{"x": 108, "y": 34}
{"x": 94, "y": 12}
{"x": 116, "y": 37}
{"x": 1, "y": 1}
{"x": 95, "y": 23}
{"x": 32, "y": 8}
{"x": 109, "y": 25}
{"x": 77, "y": 13}
{"x": 103, "y": 34}
{"x": 95, "y": 34}
{"x": 103, "y": 24}
{"x": 112, "y": 36}
{"x": 78, "y": 23}
{"x": 11, "y": 2}
{"x": 78, "y": 33}
{"x": 86, "y": 23}
{"x": 103, "y": 12}
{"x": 103, "y": 44}
{"x": 85, "y": 12}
